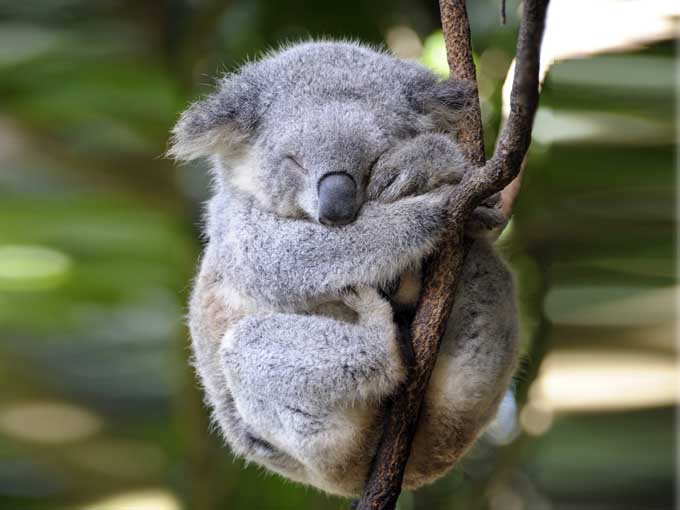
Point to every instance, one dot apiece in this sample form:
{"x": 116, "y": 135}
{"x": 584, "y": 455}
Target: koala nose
{"x": 337, "y": 199}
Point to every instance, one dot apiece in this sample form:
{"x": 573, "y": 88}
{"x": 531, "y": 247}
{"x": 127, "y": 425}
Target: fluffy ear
{"x": 218, "y": 123}
{"x": 446, "y": 101}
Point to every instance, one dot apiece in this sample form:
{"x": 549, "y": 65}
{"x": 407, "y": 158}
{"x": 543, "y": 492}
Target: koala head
{"x": 300, "y": 130}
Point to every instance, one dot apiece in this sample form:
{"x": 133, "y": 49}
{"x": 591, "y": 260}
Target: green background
{"x": 99, "y": 241}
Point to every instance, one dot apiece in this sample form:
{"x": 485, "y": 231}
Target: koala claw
{"x": 483, "y": 220}
{"x": 397, "y": 183}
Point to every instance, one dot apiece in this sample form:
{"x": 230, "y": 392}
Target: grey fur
{"x": 294, "y": 345}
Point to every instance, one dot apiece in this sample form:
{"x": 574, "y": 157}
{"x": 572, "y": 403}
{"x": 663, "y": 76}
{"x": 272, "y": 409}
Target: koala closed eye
{"x": 294, "y": 162}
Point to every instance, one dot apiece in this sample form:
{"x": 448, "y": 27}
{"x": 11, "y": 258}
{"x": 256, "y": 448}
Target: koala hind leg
{"x": 309, "y": 384}
{"x": 474, "y": 367}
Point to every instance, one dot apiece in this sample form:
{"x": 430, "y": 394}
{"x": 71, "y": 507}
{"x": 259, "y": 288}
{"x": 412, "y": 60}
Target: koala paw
{"x": 393, "y": 183}
{"x": 416, "y": 166}
{"x": 493, "y": 201}
{"x": 483, "y": 220}
{"x": 369, "y": 305}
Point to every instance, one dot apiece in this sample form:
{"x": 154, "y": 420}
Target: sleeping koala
{"x": 332, "y": 177}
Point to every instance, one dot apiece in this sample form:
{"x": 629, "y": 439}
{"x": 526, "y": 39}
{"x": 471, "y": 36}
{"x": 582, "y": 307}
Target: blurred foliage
{"x": 99, "y": 241}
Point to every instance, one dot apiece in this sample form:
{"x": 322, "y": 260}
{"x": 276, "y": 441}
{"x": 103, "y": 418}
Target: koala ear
{"x": 218, "y": 123}
{"x": 444, "y": 100}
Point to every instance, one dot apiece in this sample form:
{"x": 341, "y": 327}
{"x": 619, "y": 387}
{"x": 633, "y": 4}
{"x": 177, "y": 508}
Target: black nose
{"x": 337, "y": 199}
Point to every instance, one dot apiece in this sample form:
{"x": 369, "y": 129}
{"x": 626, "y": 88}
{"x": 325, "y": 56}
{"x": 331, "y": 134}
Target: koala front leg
{"x": 291, "y": 374}
{"x": 416, "y": 166}
{"x": 288, "y": 263}
{"x": 423, "y": 164}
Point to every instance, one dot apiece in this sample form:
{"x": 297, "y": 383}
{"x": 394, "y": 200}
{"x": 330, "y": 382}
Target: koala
{"x": 332, "y": 172}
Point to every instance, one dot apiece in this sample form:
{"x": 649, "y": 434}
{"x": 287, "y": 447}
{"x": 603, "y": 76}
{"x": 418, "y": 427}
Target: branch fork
{"x": 384, "y": 482}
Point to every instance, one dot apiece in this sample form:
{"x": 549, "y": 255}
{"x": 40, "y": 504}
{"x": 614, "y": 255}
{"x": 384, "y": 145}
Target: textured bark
{"x": 459, "y": 56}
{"x": 384, "y": 482}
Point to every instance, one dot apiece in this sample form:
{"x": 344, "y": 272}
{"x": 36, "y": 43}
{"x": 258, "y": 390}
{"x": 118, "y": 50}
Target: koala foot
{"x": 483, "y": 220}
{"x": 371, "y": 308}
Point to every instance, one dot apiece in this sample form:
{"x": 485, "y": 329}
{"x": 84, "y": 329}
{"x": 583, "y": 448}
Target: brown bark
{"x": 385, "y": 479}
{"x": 456, "y": 28}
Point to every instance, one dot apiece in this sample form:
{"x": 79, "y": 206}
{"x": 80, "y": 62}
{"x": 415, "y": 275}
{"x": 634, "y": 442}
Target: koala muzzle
{"x": 337, "y": 199}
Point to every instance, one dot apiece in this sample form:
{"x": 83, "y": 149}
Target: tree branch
{"x": 385, "y": 479}
{"x": 456, "y": 28}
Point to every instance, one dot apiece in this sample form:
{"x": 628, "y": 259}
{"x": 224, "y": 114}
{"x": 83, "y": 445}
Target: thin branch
{"x": 385, "y": 479}
{"x": 456, "y": 28}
